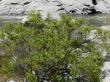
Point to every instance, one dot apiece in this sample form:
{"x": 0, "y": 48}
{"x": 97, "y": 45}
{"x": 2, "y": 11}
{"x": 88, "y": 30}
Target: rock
{"x": 91, "y": 35}
{"x": 107, "y": 79}
{"x": 103, "y": 6}
{"x": 106, "y": 72}
{"x": 106, "y": 56}
{"x": 76, "y": 35}
{"x": 22, "y": 7}
{"x": 106, "y": 27}
{"x": 24, "y": 19}
{"x": 12, "y": 10}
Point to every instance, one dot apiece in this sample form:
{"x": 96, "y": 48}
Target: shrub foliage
{"x": 55, "y": 50}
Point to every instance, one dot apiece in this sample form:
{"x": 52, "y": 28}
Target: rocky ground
{"x": 20, "y": 8}
{"x": 54, "y": 7}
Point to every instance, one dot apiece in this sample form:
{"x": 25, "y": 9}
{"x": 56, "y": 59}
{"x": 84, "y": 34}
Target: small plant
{"x": 56, "y": 50}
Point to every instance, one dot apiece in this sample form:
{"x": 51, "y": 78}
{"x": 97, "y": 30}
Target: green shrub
{"x": 47, "y": 45}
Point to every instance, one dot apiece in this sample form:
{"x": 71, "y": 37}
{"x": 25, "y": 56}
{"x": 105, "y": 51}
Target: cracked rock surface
{"x": 22, "y": 7}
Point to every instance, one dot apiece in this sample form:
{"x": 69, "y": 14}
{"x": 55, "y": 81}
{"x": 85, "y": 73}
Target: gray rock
{"x": 106, "y": 72}
{"x": 12, "y": 10}
{"x": 76, "y": 35}
{"x": 91, "y": 35}
{"x": 107, "y": 56}
{"x": 22, "y": 7}
{"x": 105, "y": 27}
